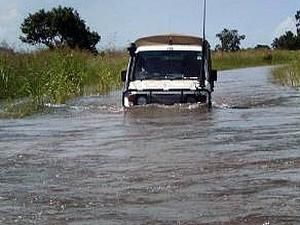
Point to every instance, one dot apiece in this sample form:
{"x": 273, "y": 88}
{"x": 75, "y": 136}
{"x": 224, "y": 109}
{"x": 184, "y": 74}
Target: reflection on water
{"x": 91, "y": 162}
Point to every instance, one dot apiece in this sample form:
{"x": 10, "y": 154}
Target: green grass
{"x": 288, "y": 75}
{"x": 251, "y": 58}
{"x": 54, "y": 77}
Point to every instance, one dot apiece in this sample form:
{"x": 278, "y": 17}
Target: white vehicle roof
{"x": 169, "y": 42}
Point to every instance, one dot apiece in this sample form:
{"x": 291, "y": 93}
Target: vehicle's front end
{"x": 167, "y": 73}
{"x": 164, "y": 92}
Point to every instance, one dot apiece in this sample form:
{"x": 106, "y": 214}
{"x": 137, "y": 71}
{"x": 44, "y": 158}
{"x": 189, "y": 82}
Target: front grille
{"x": 166, "y": 99}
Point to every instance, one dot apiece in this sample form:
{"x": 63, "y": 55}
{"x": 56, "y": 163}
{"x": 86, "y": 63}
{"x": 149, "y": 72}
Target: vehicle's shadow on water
{"x": 167, "y": 111}
{"x": 173, "y": 118}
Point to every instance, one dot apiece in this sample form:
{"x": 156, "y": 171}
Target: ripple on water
{"x": 91, "y": 162}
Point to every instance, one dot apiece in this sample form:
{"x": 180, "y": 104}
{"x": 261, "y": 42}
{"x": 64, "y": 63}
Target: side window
{"x": 192, "y": 65}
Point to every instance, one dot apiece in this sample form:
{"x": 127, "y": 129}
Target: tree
{"x": 297, "y": 16}
{"x": 287, "y": 41}
{"x": 60, "y": 27}
{"x": 230, "y": 40}
{"x": 260, "y": 46}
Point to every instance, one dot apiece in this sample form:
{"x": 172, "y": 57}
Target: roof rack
{"x": 169, "y": 39}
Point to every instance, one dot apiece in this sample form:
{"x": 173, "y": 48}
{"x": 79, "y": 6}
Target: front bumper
{"x": 170, "y": 97}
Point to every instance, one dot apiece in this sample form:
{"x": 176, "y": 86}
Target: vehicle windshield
{"x": 153, "y": 65}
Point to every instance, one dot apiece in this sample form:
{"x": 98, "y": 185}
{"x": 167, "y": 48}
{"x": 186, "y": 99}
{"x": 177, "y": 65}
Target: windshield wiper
{"x": 190, "y": 78}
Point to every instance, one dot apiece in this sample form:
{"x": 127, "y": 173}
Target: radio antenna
{"x": 204, "y": 19}
{"x": 202, "y": 79}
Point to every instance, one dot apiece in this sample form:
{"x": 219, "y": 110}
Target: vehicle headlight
{"x": 141, "y": 100}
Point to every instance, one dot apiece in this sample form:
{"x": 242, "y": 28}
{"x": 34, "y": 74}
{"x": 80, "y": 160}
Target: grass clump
{"x": 251, "y": 58}
{"x": 289, "y": 74}
{"x": 54, "y": 77}
{"x": 241, "y": 59}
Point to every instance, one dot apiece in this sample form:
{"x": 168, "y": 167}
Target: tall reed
{"x": 30, "y": 80}
{"x": 58, "y": 75}
{"x": 289, "y": 74}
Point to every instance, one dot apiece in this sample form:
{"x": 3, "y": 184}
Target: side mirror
{"x": 213, "y": 75}
{"x": 123, "y": 75}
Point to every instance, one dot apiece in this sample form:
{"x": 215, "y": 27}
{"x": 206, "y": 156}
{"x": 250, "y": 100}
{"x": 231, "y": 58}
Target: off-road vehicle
{"x": 168, "y": 69}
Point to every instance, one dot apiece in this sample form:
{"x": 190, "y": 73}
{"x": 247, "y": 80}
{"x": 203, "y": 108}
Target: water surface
{"x": 90, "y": 162}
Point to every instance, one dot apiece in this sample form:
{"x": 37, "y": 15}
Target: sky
{"x": 120, "y": 22}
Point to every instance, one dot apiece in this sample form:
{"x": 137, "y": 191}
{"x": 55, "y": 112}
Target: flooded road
{"x": 89, "y": 162}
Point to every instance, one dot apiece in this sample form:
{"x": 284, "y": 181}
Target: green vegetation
{"x": 289, "y": 40}
{"x": 230, "y": 40}
{"x": 250, "y": 58}
{"x": 59, "y": 27}
{"x": 288, "y": 75}
{"x": 54, "y": 77}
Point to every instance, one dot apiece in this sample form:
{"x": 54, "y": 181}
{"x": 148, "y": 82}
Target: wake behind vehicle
{"x": 168, "y": 69}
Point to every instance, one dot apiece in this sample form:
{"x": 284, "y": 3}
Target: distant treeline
{"x": 230, "y": 39}
{"x": 289, "y": 40}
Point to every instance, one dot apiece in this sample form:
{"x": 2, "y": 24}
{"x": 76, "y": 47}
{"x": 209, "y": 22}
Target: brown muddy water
{"x": 88, "y": 162}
